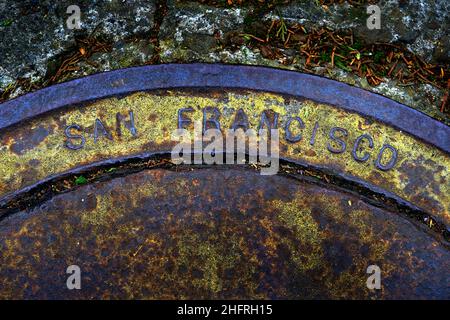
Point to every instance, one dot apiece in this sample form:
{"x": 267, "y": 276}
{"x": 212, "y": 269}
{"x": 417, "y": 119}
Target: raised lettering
{"x": 288, "y": 133}
{"x": 358, "y": 141}
{"x": 313, "y": 136}
{"x": 129, "y": 125}
{"x": 269, "y": 120}
{"x": 181, "y": 119}
{"x": 391, "y": 162}
{"x": 240, "y": 121}
{"x": 337, "y": 140}
{"x": 211, "y": 122}
{"x": 99, "y": 126}
{"x": 71, "y": 136}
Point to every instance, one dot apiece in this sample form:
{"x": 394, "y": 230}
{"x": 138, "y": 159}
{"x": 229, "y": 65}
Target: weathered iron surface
{"x": 170, "y": 76}
{"x": 373, "y": 168}
{"x": 216, "y": 233}
{"x": 62, "y": 141}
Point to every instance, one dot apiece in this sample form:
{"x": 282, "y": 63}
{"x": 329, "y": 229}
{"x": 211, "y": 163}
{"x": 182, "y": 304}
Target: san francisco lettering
{"x": 361, "y": 149}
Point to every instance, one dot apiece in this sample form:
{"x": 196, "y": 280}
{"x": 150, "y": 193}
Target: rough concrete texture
{"x": 421, "y": 25}
{"x": 34, "y": 33}
{"x": 35, "y": 39}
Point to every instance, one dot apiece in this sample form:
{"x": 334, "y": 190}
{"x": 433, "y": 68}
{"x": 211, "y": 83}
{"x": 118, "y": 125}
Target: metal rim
{"x": 171, "y": 76}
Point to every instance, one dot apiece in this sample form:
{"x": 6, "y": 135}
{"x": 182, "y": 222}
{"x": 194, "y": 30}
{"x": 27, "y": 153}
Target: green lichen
{"x": 80, "y": 180}
{"x": 6, "y": 22}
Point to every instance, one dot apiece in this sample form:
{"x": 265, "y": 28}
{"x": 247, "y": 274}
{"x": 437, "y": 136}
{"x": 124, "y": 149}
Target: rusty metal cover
{"x": 86, "y": 179}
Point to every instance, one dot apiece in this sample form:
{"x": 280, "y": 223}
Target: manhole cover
{"x": 86, "y": 179}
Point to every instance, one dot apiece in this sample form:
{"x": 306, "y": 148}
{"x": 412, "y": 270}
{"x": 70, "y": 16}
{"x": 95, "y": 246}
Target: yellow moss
{"x": 209, "y": 257}
{"x": 297, "y": 217}
{"x": 107, "y": 211}
{"x": 156, "y": 118}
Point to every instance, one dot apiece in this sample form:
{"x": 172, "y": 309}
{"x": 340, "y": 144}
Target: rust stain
{"x": 420, "y": 174}
{"x": 212, "y": 233}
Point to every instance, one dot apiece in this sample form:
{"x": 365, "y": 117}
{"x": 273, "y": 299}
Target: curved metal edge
{"x": 172, "y": 76}
{"x": 144, "y": 156}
